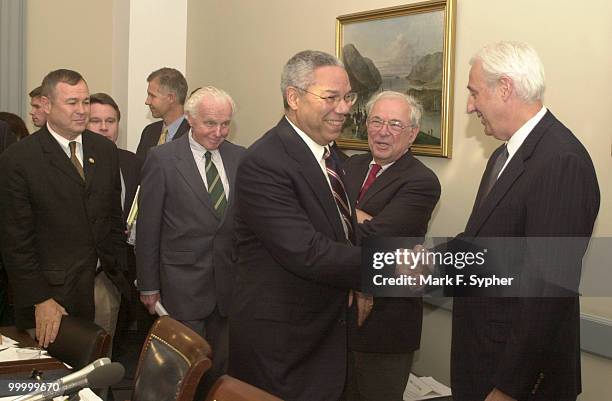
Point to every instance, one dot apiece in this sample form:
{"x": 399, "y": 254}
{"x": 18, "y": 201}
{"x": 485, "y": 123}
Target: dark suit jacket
{"x": 130, "y": 166}
{"x": 401, "y": 201}
{"x": 288, "y": 326}
{"x": 54, "y": 227}
{"x": 151, "y": 133}
{"x": 6, "y": 136}
{"x": 182, "y": 247}
{"x": 528, "y": 347}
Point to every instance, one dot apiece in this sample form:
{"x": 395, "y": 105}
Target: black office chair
{"x": 79, "y": 342}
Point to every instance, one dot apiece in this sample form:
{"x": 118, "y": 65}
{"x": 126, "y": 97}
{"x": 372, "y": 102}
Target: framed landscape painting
{"x": 407, "y": 49}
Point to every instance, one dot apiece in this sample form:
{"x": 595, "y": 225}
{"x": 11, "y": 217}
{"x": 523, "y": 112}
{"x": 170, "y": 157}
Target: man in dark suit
{"x": 395, "y": 195}
{"x": 294, "y": 226}
{"x": 166, "y": 96}
{"x": 185, "y": 223}
{"x": 540, "y": 183}
{"x": 60, "y": 212}
{"x": 104, "y": 119}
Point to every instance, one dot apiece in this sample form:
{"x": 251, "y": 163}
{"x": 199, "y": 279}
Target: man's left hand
{"x": 497, "y": 395}
{"x": 365, "y": 303}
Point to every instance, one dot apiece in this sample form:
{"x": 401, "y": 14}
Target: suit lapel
{"x": 187, "y": 168}
{"x": 89, "y": 159}
{"x": 56, "y": 156}
{"x": 182, "y": 129}
{"x": 387, "y": 177}
{"x": 312, "y": 173}
{"x": 511, "y": 173}
{"x": 354, "y": 180}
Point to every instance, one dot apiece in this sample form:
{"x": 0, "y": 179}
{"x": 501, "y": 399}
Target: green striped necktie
{"x": 215, "y": 186}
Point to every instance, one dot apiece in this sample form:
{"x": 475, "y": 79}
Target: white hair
{"x": 191, "y": 106}
{"x": 517, "y": 61}
{"x": 416, "y": 110}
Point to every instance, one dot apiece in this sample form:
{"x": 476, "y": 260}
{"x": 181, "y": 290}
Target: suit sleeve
{"x": 118, "y": 228}
{"x": 148, "y": 226}
{"x": 143, "y": 146}
{"x": 407, "y": 212}
{"x": 18, "y": 239}
{"x": 270, "y": 206}
{"x": 564, "y": 203}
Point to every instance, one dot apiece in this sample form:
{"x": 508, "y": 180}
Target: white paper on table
{"x": 10, "y": 354}
{"x": 424, "y": 388}
{"x": 8, "y": 342}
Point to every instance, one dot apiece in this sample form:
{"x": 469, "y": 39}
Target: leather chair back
{"x": 228, "y": 388}
{"x": 79, "y": 342}
{"x": 172, "y": 361}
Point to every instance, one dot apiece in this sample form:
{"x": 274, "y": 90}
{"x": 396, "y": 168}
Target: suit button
{"x": 541, "y": 375}
{"x": 342, "y": 322}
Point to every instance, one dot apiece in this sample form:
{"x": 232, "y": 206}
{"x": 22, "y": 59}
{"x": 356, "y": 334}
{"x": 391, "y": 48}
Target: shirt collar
{"x": 517, "y": 139}
{"x": 316, "y": 149}
{"x": 64, "y": 143}
{"x": 174, "y": 126}
{"x": 199, "y": 149}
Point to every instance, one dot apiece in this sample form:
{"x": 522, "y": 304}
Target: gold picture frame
{"x": 409, "y": 49}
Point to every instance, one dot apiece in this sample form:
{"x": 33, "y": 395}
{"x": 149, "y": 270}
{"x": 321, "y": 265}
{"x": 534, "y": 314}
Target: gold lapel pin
{"x": 91, "y": 160}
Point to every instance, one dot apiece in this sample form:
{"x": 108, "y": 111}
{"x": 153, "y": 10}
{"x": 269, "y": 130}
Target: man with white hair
{"x": 185, "y": 222}
{"x": 539, "y": 183}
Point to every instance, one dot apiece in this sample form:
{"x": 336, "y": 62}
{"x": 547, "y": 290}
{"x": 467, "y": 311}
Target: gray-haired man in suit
{"x": 185, "y": 222}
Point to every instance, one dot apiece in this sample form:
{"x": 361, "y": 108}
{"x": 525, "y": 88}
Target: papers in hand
{"x": 131, "y": 220}
{"x": 160, "y": 310}
{"x": 424, "y": 388}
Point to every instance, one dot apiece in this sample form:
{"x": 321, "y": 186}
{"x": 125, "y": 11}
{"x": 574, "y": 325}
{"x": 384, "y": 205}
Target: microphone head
{"x": 106, "y": 375}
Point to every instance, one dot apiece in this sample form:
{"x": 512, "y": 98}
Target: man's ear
{"x": 45, "y": 103}
{"x": 293, "y": 97}
{"x": 171, "y": 96}
{"x": 505, "y": 86}
{"x": 412, "y": 134}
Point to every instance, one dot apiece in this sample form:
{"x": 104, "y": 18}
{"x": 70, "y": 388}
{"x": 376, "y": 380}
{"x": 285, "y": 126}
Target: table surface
{"x": 27, "y": 365}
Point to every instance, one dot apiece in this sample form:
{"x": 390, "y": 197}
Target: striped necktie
{"x": 75, "y": 160}
{"x": 335, "y": 173}
{"x": 215, "y": 186}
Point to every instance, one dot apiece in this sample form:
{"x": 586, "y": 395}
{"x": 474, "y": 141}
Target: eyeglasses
{"x": 349, "y": 98}
{"x": 395, "y": 127}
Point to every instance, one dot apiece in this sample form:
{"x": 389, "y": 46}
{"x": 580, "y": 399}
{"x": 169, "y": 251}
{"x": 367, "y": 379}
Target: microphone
{"x": 101, "y": 376}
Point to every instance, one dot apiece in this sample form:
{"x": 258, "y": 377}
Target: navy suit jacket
{"x": 295, "y": 267}
{"x": 529, "y": 348}
{"x": 401, "y": 201}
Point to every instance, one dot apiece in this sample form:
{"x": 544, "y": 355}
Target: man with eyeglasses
{"x": 294, "y": 231}
{"x": 394, "y": 195}
{"x": 185, "y": 224}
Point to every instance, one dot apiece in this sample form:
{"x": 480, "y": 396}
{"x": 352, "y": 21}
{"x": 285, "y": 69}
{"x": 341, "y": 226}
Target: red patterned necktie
{"x": 335, "y": 173}
{"x": 369, "y": 181}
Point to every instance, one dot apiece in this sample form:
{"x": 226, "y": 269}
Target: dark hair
{"x": 172, "y": 80}
{"x": 53, "y": 78}
{"x": 103, "y": 98}
{"x": 36, "y": 92}
{"x": 16, "y": 123}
